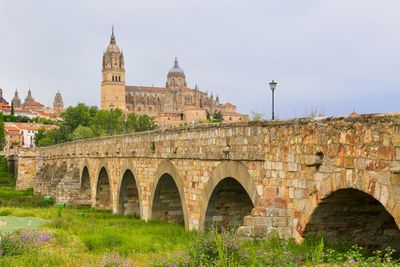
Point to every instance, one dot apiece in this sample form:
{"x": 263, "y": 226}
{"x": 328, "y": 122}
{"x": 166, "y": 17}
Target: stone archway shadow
{"x": 104, "y": 192}
{"x": 329, "y": 194}
{"x": 129, "y": 193}
{"x": 85, "y": 186}
{"x": 168, "y": 168}
{"x": 228, "y": 169}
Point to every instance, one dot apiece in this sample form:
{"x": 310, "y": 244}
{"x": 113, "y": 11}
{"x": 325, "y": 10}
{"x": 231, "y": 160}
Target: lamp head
{"x": 272, "y": 85}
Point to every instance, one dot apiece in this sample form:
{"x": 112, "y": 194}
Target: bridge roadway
{"x": 338, "y": 175}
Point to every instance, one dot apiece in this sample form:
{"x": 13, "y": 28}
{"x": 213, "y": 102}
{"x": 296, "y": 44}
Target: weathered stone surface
{"x": 283, "y": 171}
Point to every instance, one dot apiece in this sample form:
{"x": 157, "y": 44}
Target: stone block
{"x": 245, "y": 231}
{"x": 291, "y": 192}
{"x": 292, "y": 167}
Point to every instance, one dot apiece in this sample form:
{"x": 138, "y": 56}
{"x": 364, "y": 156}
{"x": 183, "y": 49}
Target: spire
{"x": 112, "y": 40}
{"x": 176, "y": 62}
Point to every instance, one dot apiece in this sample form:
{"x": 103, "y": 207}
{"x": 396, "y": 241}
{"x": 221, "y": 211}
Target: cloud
{"x": 334, "y": 55}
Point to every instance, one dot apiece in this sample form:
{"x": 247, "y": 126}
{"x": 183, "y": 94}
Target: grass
{"x": 98, "y": 233}
{"x": 81, "y": 236}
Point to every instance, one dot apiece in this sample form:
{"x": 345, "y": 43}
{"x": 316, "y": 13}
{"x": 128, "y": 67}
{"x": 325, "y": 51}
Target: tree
{"x": 79, "y": 115}
{"x": 40, "y": 135}
{"x": 81, "y": 132}
{"x": 82, "y": 122}
{"x": 12, "y": 108}
{"x": 145, "y": 123}
{"x": 314, "y": 113}
{"x": 256, "y": 116}
{"x": 218, "y": 115}
{"x": 2, "y": 133}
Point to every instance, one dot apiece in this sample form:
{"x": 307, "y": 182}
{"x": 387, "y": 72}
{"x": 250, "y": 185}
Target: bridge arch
{"x": 103, "y": 189}
{"x": 86, "y": 190}
{"x": 361, "y": 211}
{"x": 229, "y": 177}
{"x": 168, "y": 184}
{"x": 129, "y": 202}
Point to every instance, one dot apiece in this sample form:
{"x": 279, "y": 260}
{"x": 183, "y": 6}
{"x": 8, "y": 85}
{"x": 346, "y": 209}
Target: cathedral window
{"x": 188, "y": 99}
{"x": 119, "y": 78}
{"x": 112, "y": 78}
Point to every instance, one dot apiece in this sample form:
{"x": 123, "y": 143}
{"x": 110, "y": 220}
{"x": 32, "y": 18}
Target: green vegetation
{"x": 13, "y": 118}
{"x": 81, "y": 236}
{"x": 82, "y": 122}
{"x": 2, "y": 133}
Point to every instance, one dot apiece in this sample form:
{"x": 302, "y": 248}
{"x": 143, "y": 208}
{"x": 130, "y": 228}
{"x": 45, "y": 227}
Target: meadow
{"x": 81, "y": 236}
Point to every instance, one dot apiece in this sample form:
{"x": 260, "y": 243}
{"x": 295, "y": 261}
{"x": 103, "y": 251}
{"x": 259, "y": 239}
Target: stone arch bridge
{"x": 340, "y": 176}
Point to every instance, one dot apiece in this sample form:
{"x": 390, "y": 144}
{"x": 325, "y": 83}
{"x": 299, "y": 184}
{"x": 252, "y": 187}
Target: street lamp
{"x": 272, "y": 85}
{"x": 111, "y": 118}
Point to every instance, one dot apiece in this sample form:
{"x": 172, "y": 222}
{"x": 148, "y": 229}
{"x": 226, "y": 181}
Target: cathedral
{"x": 172, "y": 105}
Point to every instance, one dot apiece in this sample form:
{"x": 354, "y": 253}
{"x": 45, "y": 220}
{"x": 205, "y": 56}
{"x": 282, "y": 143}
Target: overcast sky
{"x": 336, "y": 56}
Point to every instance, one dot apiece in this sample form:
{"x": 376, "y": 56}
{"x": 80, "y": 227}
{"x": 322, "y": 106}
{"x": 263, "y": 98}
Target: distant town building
{"x": 31, "y": 104}
{"x": 3, "y": 102}
{"x": 16, "y": 101}
{"x": 173, "y": 104}
{"x": 58, "y": 104}
{"x": 22, "y": 135}
{"x": 30, "y": 107}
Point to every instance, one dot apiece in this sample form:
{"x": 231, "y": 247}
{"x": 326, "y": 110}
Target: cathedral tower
{"x": 113, "y": 77}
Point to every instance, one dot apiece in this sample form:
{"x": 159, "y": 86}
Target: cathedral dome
{"x": 176, "y": 71}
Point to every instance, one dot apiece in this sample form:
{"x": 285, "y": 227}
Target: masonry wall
{"x": 285, "y": 167}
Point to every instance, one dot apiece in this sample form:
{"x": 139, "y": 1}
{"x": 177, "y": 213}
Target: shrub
{"x": 23, "y": 240}
{"x": 115, "y": 260}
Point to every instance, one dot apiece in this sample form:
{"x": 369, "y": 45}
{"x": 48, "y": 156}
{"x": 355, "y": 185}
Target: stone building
{"x": 31, "y": 104}
{"x": 3, "y": 102}
{"x": 32, "y": 108}
{"x": 22, "y": 135}
{"x": 58, "y": 104}
{"x": 16, "y": 101}
{"x": 174, "y": 104}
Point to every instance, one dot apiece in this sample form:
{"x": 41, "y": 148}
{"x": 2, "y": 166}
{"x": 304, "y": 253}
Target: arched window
{"x": 119, "y": 78}
{"x": 113, "y": 78}
{"x": 188, "y": 98}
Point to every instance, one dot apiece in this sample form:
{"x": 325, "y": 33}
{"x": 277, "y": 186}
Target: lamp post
{"x": 272, "y": 85}
{"x": 111, "y": 118}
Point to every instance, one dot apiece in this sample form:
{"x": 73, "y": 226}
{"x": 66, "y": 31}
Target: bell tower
{"x": 113, "y": 77}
